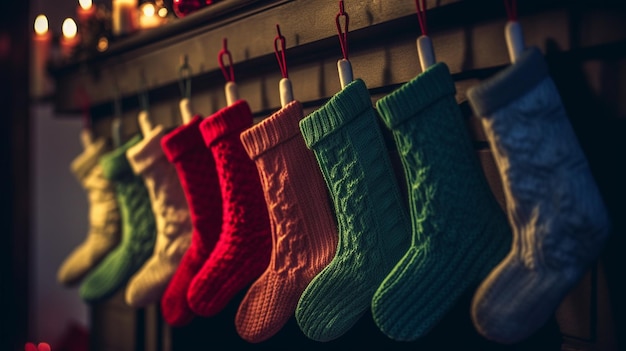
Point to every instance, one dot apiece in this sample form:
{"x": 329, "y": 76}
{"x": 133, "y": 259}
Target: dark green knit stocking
{"x": 459, "y": 230}
{"x": 138, "y": 228}
{"x": 374, "y": 229}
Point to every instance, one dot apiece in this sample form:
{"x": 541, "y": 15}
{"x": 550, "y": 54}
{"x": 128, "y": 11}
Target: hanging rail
{"x": 382, "y": 46}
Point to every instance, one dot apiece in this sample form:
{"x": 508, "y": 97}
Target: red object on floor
{"x": 75, "y": 338}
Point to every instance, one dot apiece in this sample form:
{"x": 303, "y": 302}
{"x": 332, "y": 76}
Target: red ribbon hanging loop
{"x": 511, "y": 9}
{"x": 280, "y": 52}
{"x": 229, "y": 74}
{"x": 421, "y": 15}
{"x": 343, "y": 33}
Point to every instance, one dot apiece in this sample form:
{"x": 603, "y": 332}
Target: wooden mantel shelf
{"x": 249, "y": 26}
{"x": 467, "y": 36}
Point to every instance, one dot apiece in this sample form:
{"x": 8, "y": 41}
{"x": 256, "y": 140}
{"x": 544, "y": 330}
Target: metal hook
{"x": 116, "y": 124}
{"x": 117, "y": 103}
{"x": 144, "y": 101}
{"x": 184, "y": 77}
{"x": 83, "y": 97}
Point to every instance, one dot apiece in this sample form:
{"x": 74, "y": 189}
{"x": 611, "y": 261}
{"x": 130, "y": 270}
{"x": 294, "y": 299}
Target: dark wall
{"x": 14, "y": 40}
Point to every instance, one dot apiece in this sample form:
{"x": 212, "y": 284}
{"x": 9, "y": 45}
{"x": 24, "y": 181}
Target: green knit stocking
{"x": 374, "y": 229}
{"x": 459, "y": 230}
{"x": 138, "y": 228}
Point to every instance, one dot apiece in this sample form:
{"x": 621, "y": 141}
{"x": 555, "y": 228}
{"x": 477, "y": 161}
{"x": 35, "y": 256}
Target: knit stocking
{"x": 374, "y": 229}
{"x": 559, "y": 220}
{"x": 459, "y": 230}
{"x": 304, "y": 233}
{"x": 138, "y": 228}
{"x": 171, "y": 215}
{"x": 245, "y": 244}
{"x": 185, "y": 149}
{"x": 104, "y": 216}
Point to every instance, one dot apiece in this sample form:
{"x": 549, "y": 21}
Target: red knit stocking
{"x": 185, "y": 148}
{"x": 245, "y": 244}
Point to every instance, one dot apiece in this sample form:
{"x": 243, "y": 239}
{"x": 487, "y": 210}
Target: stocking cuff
{"x": 231, "y": 119}
{"x": 88, "y": 159}
{"x": 414, "y": 96}
{"x": 509, "y": 84}
{"x": 183, "y": 139}
{"x": 115, "y": 164}
{"x": 147, "y": 152}
{"x": 274, "y": 130}
{"x": 344, "y": 106}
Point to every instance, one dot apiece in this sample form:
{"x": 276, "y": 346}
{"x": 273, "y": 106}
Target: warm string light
{"x": 148, "y": 9}
{"x": 103, "y": 44}
{"x": 149, "y": 17}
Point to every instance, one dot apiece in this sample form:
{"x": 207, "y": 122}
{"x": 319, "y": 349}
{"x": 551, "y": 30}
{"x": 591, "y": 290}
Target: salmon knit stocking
{"x": 185, "y": 148}
{"x": 304, "y": 232}
{"x": 245, "y": 244}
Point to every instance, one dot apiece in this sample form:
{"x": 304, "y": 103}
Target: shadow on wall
{"x": 589, "y": 91}
{"x": 59, "y": 223}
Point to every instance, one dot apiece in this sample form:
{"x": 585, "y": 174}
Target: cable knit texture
{"x": 304, "y": 232}
{"x": 195, "y": 166}
{"x": 460, "y": 232}
{"x": 244, "y": 248}
{"x": 138, "y": 228}
{"x": 172, "y": 218}
{"x": 559, "y": 220}
{"x": 374, "y": 228}
{"x": 104, "y": 216}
